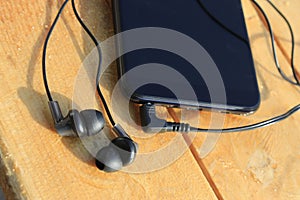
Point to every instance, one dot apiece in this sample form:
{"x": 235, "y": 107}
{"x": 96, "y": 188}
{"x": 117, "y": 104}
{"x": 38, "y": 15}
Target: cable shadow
{"x": 274, "y": 73}
{"x": 26, "y": 94}
{"x": 37, "y": 103}
{"x": 297, "y": 43}
{"x": 72, "y": 35}
{"x": 102, "y": 28}
{"x": 263, "y": 87}
{"x": 38, "y": 45}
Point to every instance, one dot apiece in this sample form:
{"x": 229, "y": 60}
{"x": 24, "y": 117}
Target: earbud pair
{"x": 120, "y": 152}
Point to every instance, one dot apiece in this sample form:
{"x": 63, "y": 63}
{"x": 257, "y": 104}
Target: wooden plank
{"x": 264, "y": 163}
{"x": 280, "y": 28}
{"x": 39, "y": 164}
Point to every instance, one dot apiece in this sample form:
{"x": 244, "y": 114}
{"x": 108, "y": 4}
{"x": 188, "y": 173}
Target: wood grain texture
{"x": 37, "y": 163}
{"x": 262, "y": 164}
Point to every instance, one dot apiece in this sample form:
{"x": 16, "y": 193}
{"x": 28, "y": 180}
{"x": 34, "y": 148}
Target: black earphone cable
{"x": 44, "y": 71}
{"x": 45, "y": 51}
{"x": 292, "y": 39}
{"x": 252, "y": 126}
{"x": 182, "y": 127}
{"x": 109, "y": 115}
{"x": 274, "y": 49}
{"x": 201, "y": 4}
{"x": 235, "y": 129}
{"x": 291, "y": 111}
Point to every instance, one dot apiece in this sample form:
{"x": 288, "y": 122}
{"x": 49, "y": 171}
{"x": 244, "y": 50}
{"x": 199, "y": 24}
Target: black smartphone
{"x": 218, "y": 26}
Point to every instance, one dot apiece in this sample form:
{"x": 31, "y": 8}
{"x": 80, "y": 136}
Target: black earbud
{"x": 120, "y": 152}
{"x": 78, "y": 124}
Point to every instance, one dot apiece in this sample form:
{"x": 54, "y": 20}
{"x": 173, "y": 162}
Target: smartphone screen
{"x": 218, "y": 26}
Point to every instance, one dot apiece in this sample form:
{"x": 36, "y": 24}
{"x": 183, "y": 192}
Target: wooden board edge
{"x": 9, "y": 174}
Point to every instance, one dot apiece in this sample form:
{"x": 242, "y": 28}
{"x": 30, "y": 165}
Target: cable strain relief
{"x": 178, "y": 127}
{"x": 55, "y": 111}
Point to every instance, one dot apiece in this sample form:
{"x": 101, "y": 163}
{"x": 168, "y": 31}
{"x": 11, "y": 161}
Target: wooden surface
{"x": 38, "y": 164}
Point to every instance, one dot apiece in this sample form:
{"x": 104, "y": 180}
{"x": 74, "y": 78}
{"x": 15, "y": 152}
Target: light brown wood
{"x": 38, "y": 164}
{"x": 262, "y": 164}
